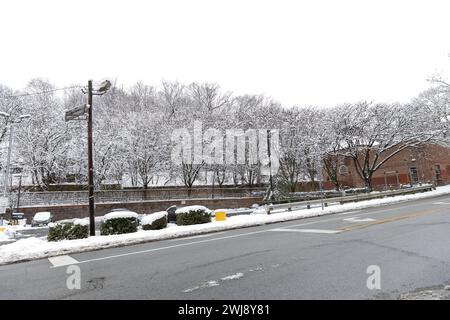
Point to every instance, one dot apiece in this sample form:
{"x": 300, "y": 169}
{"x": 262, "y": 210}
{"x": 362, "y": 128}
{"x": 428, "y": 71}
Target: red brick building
{"x": 429, "y": 163}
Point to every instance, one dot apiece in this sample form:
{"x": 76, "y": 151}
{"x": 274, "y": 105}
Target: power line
{"x": 38, "y": 93}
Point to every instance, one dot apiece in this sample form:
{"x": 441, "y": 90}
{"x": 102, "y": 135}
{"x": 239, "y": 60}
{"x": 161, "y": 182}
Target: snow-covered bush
{"x": 77, "y": 229}
{"x": 119, "y": 222}
{"x": 193, "y": 215}
{"x": 154, "y": 221}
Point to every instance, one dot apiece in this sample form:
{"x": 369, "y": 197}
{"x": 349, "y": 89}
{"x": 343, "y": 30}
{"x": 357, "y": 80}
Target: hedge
{"x": 119, "y": 226}
{"x": 196, "y": 216}
{"x": 67, "y": 231}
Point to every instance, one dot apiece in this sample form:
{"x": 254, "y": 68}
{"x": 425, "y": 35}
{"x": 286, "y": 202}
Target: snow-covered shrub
{"x": 57, "y": 231}
{"x": 78, "y": 229}
{"x": 154, "y": 221}
{"x": 119, "y": 222}
{"x": 193, "y": 215}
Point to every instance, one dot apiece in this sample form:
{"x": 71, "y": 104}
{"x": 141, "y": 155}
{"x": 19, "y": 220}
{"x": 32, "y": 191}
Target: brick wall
{"x": 82, "y": 210}
{"x": 80, "y": 197}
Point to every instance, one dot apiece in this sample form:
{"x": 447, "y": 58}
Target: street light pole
{"x": 270, "y": 165}
{"x": 90, "y": 163}
{"x": 8, "y": 161}
{"x": 18, "y": 194}
{"x": 75, "y": 114}
{"x": 11, "y": 133}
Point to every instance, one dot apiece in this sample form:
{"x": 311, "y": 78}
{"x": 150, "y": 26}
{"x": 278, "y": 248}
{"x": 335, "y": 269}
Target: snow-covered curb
{"x": 35, "y": 248}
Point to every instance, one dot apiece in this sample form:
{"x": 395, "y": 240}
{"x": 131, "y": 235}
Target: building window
{"x": 343, "y": 169}
{"x": 414, "y": 175}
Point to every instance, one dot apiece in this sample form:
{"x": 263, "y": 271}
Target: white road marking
{"x": 214, "y": 283}
{"x": 233, "y": 276}
{"x": 358, "y": 219}
{"x": 196, "y": 237}
{"x": 307, "y": 230}
{"x": 60, "y": 261}
{"x": 259, "y": 268}
{"x": 350, "y": 212}
{"x": 208, "y": 284}
{"x": 441, "y": 202}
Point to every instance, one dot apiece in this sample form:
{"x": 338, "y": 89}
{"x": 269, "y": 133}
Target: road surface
{"x": 328, "y": 257}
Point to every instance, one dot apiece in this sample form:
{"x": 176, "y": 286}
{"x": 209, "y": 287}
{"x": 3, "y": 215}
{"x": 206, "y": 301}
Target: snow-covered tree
{"x": 371, "y": 134}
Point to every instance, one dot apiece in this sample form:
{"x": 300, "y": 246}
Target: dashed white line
{"x": 233, "y": 276}
{"x": 214, "y": 283}
{"x": 208, "y": 284}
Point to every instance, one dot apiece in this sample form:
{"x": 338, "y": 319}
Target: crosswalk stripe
{"x": 59, "y": 261}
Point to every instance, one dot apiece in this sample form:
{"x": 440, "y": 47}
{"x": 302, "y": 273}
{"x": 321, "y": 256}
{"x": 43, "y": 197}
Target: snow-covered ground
{"x": 35, "y": 248}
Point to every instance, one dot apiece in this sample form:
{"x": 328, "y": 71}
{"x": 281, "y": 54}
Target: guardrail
{"x": 353, "y": 198}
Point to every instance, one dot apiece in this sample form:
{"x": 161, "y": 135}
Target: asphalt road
{"x": 317, "y": 258}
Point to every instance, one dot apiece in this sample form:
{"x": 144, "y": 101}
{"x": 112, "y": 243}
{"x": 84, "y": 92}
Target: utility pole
{"x": 78, "y": 113}
{"x": 8, "y": 161}
{"x": 90, "y": 163}
{"x": 321, "y": 184}
{"x": 270, "y": 165}
{"x": 18, "y": 194}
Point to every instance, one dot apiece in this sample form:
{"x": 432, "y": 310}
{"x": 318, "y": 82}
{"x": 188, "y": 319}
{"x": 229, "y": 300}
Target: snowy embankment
{"x": 36, "y": 248}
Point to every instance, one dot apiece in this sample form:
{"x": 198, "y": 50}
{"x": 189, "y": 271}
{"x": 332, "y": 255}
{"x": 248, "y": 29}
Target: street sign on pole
{"x": 75, "y": 113}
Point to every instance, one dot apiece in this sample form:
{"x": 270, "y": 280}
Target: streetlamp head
{"x": 104, "y": 86}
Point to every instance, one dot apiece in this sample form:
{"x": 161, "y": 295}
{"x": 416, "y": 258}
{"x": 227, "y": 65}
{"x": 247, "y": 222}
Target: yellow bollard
{"x": 221, "y": 216}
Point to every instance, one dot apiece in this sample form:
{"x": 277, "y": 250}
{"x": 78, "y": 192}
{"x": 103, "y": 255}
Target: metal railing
{"x": 353, "y": 198}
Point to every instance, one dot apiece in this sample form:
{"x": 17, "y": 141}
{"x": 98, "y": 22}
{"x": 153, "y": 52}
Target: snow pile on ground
{"x": 260, "y": 210}
{"x": 34, "y": 248}
{"x": 3, "y": 236}
{"x": 191, "y": 208}
{"x": 150, "y": 218}
{"x": 6, "y": 233}
{"x": 120, "y": 214}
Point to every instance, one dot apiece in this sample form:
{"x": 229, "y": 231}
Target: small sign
{"x": 75, "y": 113}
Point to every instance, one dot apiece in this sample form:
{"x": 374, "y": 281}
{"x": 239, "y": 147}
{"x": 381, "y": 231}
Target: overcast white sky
{"x": 299, "y": 52}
